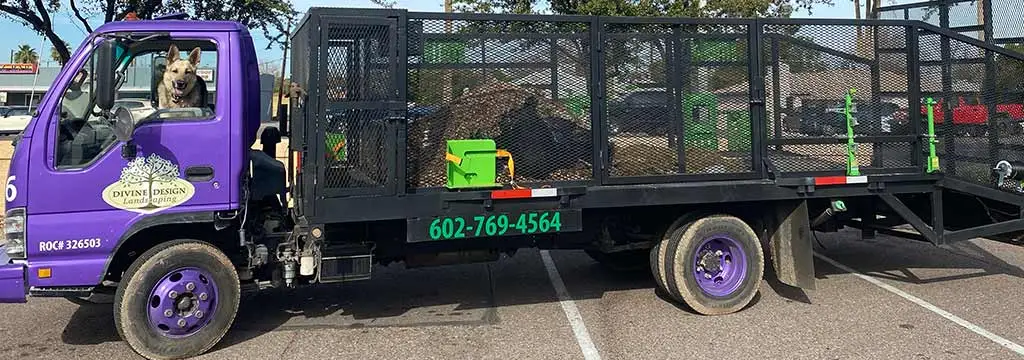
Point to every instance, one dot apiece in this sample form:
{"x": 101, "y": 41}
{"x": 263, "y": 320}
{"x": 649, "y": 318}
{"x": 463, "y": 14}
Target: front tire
{"x": 714, "y": 265}
{"x": 177, "y": 300}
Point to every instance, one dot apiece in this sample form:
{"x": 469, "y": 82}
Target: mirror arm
{"x": 128, "y": 150}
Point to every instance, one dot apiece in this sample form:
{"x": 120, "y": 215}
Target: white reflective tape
{"x": 544, "y": 192}
{"x": 856, "y": 179}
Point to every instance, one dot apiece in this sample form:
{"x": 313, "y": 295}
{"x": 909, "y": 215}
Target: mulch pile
{"x": 647, "y": 160}
{"x": 546, "y": 141}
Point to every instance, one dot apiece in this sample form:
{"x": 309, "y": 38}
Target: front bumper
{"x": 12, "y": 280}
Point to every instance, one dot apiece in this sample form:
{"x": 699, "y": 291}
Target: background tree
{"x": 271, "y": 16}
{"x": 687, "y": 8}
{"x": 55, "y": 56}
{"x": 387, "y": 4}
{"x": 26, "y": 54}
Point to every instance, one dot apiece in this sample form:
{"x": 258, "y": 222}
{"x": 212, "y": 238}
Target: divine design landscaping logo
{"x": 148, "y": 185}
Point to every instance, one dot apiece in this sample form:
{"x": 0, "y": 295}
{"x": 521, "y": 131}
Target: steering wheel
{"x": 67, "y": 129}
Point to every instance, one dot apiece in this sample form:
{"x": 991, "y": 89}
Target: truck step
{"x": 345, "y": 263}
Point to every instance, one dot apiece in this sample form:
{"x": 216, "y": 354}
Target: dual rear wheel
{"x": 713, "y": 264}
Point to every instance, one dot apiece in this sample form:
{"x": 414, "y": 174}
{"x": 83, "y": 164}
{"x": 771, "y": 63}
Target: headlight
{"x": 14, "y": 233}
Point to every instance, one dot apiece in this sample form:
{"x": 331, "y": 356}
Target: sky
{"x": 73, "y": 32}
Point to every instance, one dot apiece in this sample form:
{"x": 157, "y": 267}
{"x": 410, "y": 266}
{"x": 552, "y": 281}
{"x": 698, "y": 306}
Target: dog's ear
{"x": 173, "y": 54}
{"x": 193, "y": 57}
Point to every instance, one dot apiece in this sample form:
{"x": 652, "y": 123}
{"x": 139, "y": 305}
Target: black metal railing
{"x": 620, "y": 100}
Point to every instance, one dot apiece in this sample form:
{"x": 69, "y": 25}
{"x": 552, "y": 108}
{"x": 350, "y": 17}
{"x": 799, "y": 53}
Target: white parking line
{"x": 569, "y": 307}
{"x": 935, "y": 309}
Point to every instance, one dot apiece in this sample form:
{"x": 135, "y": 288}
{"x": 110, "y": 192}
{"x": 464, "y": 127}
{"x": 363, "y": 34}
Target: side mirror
{"x": 124, "y": 124}
{"x": 105, "y": 78}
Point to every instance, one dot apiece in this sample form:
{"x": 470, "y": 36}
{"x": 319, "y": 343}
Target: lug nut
{"x": 202, "y": 296}
{"x": 168, "y": 313}
{"x": 700, "y": 269}
{"x": 718, "y": 252}
{"x": 707, "y": 275}
{"x": 190, "y": 286}
{"x": 173, "y": 294}
{"x": 181, "y": 323}
{"x": 199, "y": 314}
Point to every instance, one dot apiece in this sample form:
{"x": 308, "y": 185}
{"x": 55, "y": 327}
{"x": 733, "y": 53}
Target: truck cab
{"x": 92, "y": 188}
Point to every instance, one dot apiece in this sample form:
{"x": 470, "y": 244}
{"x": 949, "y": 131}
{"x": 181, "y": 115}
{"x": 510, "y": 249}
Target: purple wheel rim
{"x": 182, "y": 302}
{"x": 720, "y": 266}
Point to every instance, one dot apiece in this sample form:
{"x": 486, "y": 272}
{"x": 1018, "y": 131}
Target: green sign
{"x": 714, "y": 50}
{"x": 494, "y": 225}
{"x": 444, "y": 52}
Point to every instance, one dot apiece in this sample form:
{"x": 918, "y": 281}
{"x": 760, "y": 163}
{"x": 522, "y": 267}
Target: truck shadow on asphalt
{"x": 909, "y": 261}
{"x": 470, "y": 295}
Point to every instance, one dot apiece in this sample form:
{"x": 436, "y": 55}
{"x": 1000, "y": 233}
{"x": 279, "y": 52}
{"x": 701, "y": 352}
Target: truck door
{"x": 362, "y": 107}
{"x": 87, "y": 192}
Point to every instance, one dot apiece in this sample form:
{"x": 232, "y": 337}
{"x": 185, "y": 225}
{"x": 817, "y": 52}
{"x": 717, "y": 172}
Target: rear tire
{"x": 193, "y": 282}
{"x": 714, "y": 264}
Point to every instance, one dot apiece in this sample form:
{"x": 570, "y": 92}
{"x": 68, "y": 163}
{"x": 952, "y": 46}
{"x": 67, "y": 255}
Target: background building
{"x": 25, "y": 85}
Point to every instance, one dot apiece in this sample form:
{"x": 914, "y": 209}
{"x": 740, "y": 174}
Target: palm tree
{"x": 26, "y": 55}
{"x": 54, "y": 55}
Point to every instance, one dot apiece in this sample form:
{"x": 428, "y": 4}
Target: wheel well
{"x": 651, "y": 223}
{"x": 138, "y": 243}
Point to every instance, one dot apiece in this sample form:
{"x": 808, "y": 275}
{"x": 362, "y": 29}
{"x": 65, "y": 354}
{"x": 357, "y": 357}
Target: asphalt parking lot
{"x": 968, "y": 301}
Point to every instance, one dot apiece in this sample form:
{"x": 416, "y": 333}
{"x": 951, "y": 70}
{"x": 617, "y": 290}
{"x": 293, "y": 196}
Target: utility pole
{"x": 446, "y": 90}
{"x": 284, "y": 62}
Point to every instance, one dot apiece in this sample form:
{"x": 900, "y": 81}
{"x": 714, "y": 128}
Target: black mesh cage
{"x": 523, "y": 84}
{"x": 299, "y": 80}
{"x": 580, "y": 100}
{"x": 359, "y": 78}
{"x": 978, "y": 107}
{"x": 810, "y": 69}
{"x": 676, "y": 99}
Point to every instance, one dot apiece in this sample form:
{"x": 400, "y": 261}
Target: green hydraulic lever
{"x": 852, "y": 169}
{"x": 933, "y": 159}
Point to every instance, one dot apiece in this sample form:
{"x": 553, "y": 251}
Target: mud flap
{"x": 788, "y": 233}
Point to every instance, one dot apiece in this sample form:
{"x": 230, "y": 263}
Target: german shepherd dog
{"x": 177, "y": 89}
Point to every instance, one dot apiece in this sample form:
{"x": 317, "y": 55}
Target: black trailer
{"x": 711, "y": 178}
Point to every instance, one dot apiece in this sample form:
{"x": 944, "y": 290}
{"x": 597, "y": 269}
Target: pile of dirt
{"x": 542, "y": 135}
{"x": 649, "y": 160}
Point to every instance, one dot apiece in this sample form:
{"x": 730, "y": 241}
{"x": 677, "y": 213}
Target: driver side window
{"x": 81, "y": 136}
{"x": 162, "y": 81}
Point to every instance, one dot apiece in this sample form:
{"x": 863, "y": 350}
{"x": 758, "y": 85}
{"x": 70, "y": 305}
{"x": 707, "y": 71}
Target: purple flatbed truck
{"x": 175, "y": 215}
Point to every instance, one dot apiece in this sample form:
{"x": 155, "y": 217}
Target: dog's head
{"x": 180, "y": 75}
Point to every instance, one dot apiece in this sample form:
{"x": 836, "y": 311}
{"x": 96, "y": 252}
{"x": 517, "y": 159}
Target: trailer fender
{"x": 788, "y": 234}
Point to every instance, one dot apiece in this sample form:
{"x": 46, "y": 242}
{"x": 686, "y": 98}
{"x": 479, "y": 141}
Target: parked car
{"x": 643, "y": 111}
{"x": 13, "y": 119}
{"x": 971, "y": 116}
{"x": 817, "y": 120}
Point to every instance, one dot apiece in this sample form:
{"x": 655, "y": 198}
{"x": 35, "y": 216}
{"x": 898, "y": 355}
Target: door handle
{"x": 198, "y": 173}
